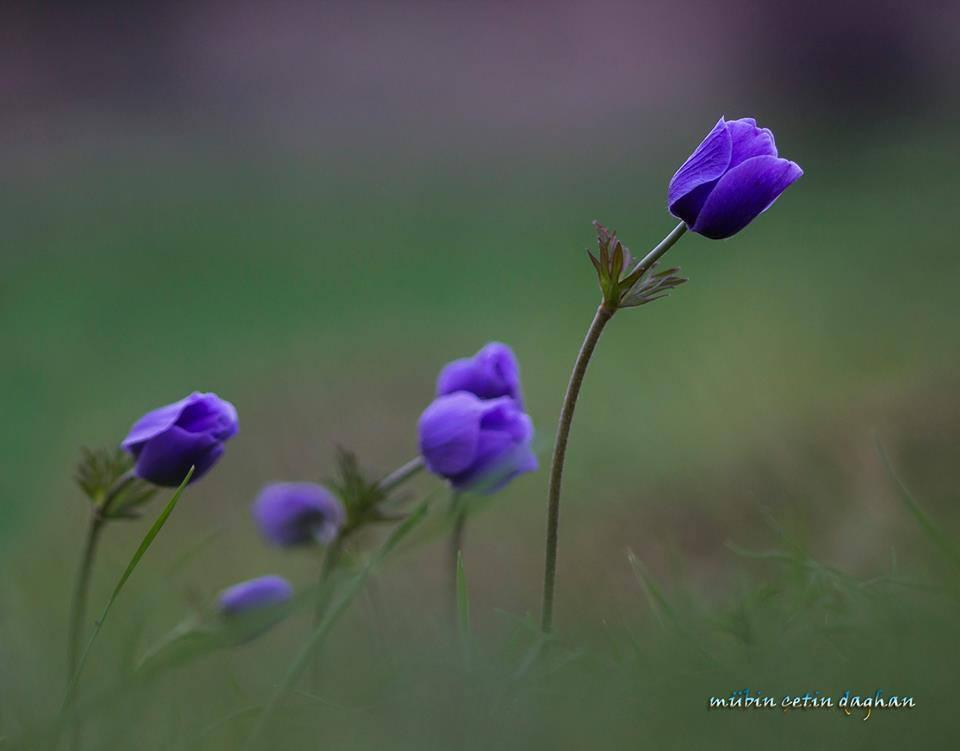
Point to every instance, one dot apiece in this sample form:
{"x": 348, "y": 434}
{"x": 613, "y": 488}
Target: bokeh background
{"x": 309, "y": 210}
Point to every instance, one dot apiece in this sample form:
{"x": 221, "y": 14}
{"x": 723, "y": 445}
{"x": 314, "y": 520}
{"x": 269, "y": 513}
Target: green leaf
{"x": 99, "y": 471}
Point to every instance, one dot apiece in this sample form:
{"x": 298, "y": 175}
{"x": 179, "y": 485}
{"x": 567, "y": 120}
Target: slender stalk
{"x": 401, "y": 474}
{"x": 78, "y": 608}
{"x": 665, "y": 244}
{"x": 456, "y": 544}
{"x": 604, "y": 313}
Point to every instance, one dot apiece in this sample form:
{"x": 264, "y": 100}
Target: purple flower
{"x": 490, "y": 373}
{"x": 732, "y": 177}
{"x": 264, "y": 592}
{"x": 475, "y": 443}
{"x": 167, "y": 441}
{"x": 296, "y": 513}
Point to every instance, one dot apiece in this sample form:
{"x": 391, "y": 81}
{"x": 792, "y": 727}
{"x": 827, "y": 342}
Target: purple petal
{"x": 490, "y": 373}
{"x": 209, "y": 414}
{"x": 196, "y": 413}
{"x": 743, "y": 193}
{"x": 155, "y": 422}
{"x": 748, "y": 141}
{"x": 505, "y": 415}
{"x": 500, "y": 458}
{"x": 166, "y": 458}
{"x": 449, "y": 432}
{"x": 296, "y": 513}
{"x": 265, "y": 591}
{"x": 691, "y": 184}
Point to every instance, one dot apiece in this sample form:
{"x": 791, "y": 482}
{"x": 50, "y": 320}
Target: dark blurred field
{"x": 309, "y": 212}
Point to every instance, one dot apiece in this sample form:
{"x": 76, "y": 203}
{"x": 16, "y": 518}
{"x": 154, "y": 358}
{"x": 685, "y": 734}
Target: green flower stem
{"x": 604, "y": 313}
{"x": 665, "y": 244}
{"x": 456, "y": 543}
{"x": 334, "y": 552}
{"x": 401, "y": 474}
{"x": 78, "y": 608}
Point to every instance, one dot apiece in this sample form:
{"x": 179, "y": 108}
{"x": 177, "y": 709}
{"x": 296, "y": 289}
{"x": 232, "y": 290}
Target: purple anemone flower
{"x": 476, "y": 444}
{"x": 732, "y": 177}
{"x": 167, "y": 441}
{"x": 263, "y": 592}
{"x": 297, "y": 513}
{"x": 491, "y": 373}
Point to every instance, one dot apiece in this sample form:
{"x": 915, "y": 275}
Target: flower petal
{"x": 691, "y": 184}
{"x": 166, "y": 458}
{"x": 449, "y": 432}
{"x": 255, "y": 593}
{"x": 743, "y": 193}
{"x": 747, "y": 140}
{"x": 208, "y": 413}
{"x": 155, "y": 422}
{"x": 490, "y": 373}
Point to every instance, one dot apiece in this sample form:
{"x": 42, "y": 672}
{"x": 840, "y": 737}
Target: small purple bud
{"x": 476, "y": 444}
{"x": 491, "y": 373}
{"x": 731, "y": 178}
{"x": 167, "y": 441}
{"x": 298, "y": 513}
{"x": 253, "y": 594}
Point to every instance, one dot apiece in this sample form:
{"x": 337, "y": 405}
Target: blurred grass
{"x": 322, "y": 299}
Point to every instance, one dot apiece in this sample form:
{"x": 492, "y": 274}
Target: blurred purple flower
{"x": 263, "y": 592}
{"x": 297, "y": 513}
{"x": 732, "y": 177}
{"x": 476, "y": 444}
{"x": 490, "y": 373}
{"x": 167, "y": 441}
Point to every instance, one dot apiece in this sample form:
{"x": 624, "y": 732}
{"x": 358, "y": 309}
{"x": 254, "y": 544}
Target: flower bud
{"x": 730, "y": 179}
{"x": 298, "y": 513}
{"x": 264, "y": 592}
{"x": 476, "y": 444}
{"x": 166, "y": 442}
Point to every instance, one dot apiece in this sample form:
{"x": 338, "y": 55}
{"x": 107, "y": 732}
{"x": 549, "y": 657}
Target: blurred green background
{"x": 310, "y": 211}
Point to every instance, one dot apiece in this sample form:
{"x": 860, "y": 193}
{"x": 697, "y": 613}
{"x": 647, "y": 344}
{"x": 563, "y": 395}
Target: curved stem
{"x": 603, "y": 315}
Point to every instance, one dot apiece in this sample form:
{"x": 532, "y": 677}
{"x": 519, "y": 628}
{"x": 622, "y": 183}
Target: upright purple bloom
{"x": 491, "y": 373}
{"x": 476, "y": 444}
{"x": 264, "y": 592}
{"x": 167, "y": 441}
{"x": 730, "y": 179}
{"x": 298, "y": 513}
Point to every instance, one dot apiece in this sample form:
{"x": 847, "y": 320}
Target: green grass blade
{"x": 944, "y": 543}
{"x": 131, "y": 566}
{"x": 655, "y": 597}
{"x": 463, "y": 611}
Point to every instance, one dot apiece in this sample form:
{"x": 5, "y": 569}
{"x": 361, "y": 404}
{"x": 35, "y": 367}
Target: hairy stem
{"x": 603, "y": 315}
